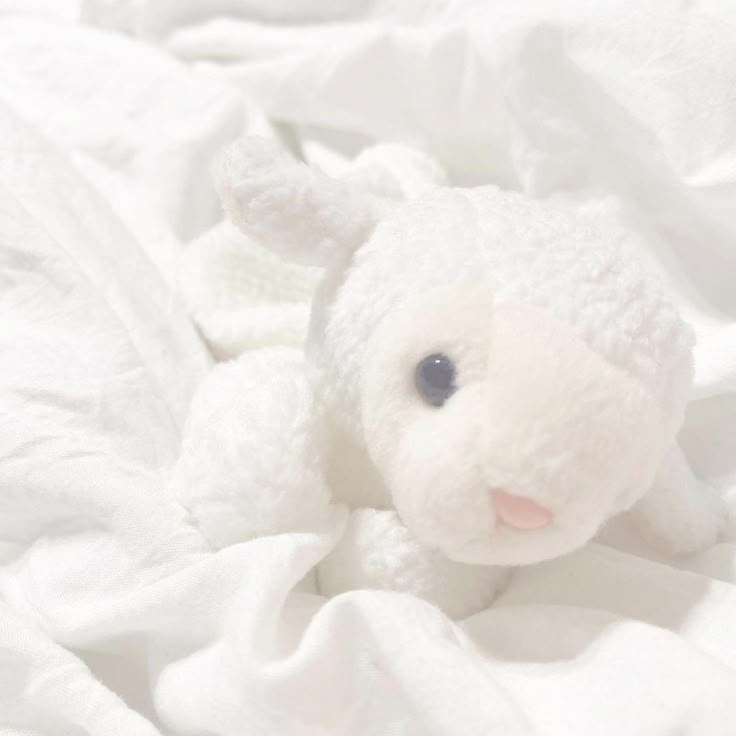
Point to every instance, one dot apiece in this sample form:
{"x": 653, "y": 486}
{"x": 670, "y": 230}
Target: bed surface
{"x": 115, "y": 616}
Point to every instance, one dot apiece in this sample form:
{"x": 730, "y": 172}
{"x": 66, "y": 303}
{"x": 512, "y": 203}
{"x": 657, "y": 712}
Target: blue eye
{"x": 434, "y": 378}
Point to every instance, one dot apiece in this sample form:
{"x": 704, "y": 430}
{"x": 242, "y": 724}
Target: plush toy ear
{"x": 289, "y": 207}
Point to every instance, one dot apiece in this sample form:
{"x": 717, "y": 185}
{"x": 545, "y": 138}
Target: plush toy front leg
{"x": 680, "y": 515}
{"x": 252, "y": 451}
{"x": 378, "y": 551}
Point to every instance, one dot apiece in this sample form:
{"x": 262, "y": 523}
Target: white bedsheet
{"x": 115, "y": 618}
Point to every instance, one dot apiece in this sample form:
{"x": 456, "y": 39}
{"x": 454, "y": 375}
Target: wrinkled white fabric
{"x": 115, "y": 616}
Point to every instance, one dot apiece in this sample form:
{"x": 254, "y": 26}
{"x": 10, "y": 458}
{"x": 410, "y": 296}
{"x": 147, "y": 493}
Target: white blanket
{"x": 115, "y": 617}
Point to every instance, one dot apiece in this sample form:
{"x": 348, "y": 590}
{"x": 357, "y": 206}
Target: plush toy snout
{"x": 540, "y": 442}
{"x": 519, "y": 512}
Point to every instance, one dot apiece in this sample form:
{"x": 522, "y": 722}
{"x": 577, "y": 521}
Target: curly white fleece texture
{"x": 248, "y": 415}
{"x": 530, "y": 251}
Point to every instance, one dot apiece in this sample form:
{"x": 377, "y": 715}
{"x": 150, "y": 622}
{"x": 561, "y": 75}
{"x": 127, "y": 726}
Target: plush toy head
{"x": 510, "y": 373}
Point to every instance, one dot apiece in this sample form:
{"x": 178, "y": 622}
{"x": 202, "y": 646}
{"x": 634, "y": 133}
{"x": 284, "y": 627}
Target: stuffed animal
{"x": 487, "y": 380}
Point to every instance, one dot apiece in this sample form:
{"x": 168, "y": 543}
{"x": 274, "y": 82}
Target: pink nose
{"x": 518, "y": 511}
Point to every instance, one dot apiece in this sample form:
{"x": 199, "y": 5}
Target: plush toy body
{"x": 486, "y": 382}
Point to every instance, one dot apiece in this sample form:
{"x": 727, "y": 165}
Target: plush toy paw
{"x": 377, "y": 551}
{"x": 681, "y": 515}
{"x": 252, "y": 450}
{"x": 691, "y": 529}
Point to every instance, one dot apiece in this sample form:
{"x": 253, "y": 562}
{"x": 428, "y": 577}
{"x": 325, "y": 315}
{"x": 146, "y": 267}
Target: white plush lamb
{"x": 486, "y": 381}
